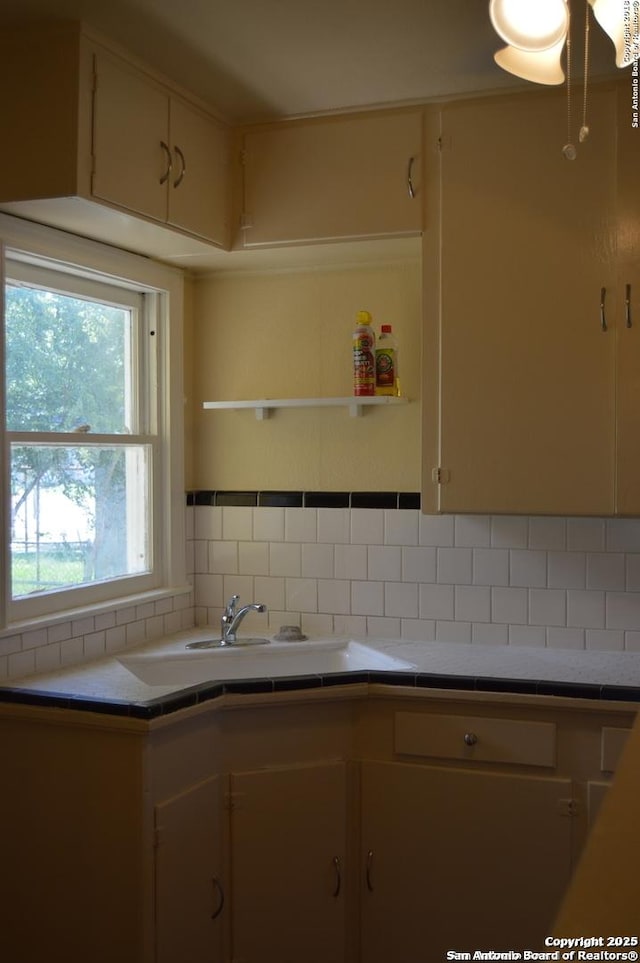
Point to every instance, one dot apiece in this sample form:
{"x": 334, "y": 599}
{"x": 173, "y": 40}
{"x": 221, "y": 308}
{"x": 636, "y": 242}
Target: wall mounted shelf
{"x": 265, "y": 405}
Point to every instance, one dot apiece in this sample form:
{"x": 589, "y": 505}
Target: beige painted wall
{"x": 287, "y": 334}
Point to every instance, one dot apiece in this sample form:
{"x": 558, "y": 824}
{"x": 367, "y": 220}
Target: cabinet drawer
{"x": 475, "y": 738}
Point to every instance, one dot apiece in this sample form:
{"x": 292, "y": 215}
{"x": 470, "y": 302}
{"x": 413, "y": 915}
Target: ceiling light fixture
{"x": 536, "y": 33}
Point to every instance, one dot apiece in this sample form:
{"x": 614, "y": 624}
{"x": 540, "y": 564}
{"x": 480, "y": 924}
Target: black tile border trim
{"x": 196, "y": 695}
{"x": 301, "y": 499}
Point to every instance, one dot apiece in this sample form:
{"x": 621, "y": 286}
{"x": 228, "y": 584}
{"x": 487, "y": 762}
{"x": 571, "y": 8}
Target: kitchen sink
{"x": 192, "y": 666}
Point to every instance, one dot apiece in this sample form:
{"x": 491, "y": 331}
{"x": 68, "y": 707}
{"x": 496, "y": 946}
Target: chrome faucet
{"x": 233, "y": 616}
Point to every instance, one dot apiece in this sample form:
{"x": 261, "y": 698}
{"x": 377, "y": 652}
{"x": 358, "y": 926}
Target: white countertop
{"x": 108, "y": 679}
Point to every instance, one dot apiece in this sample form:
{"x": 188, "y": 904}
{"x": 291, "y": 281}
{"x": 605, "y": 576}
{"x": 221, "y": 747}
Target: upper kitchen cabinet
{"x": 627, "y": 307}
{"x": 526, "y": 339}
{"x": 335, "y": 178}
{"x": 90, "y": 128}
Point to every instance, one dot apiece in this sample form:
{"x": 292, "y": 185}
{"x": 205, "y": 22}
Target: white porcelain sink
{"x": 191, "y": 666}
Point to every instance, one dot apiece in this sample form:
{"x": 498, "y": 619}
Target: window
{"x": 88, "y": 510}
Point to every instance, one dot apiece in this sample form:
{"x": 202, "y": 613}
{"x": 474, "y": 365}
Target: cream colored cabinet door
{"x": 626, "y": 301}
{"x": 130, "y": 127}
{"x": 198, "y": 194}
{"x": 459, "y": 860}
{"x": 345, "y": 177}
{"x": 157, "y": 155}
{"x": 527, "y": 369}
{"x": 189, "y": 875}
{"x": 288, "y": 851}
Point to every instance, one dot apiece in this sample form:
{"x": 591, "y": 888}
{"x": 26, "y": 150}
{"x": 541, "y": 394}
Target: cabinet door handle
{"x": 338, "y": 886}
{"x": 183, "y": 167}
{"x": 165, "y": 176}
{"x": 368, "y": 872}
{"x": 470, "y": 738}
{"x": 627, "y": 305}
{"x": 218, "y": 892}
{"x": 603, "y": 316}
{"x": 410, "y": 188}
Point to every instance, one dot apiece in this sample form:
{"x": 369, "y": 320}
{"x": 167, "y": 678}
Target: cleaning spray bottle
{"x": 364, "y": 360}
{"x": 387, "y": 382}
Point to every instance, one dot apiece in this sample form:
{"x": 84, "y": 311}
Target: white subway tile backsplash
{"x": 48, "y": 658}
{"x": 367, "y": 598}
{"x": 301, "y": 594}
{"x": 237, "y": 523}
{"x": 384, "y": 563}
{"x": 632, "y": 566}
{"x": 223, "y": 557}
{"x": 455, "y": 566}
{"x": 472, "y": 603}
{"x": 418, "y": 564}
{"x": 253, "y": 558}
{"x": 334, "y": 596}
{"x": 622, "y": 534}
{"x": 401, "y": 527}
{"x": 436, "y": 530}
{"x": 86, "y": 625}
{"x": 334, "y": 525}
{"x": 436, "y": 602}
{"x": 270, "y": 591}
{"x": 453, "y": 632}
{"x": 61, "y": 631}
{"x": 602, "y": 640}
{"x": 533, "y": 635}
{"x": 317, "y": 560}
{"x": 606, "y": 570}
{"x": 208, "y": 589}
{"x": 547, "y": 607}
{"x": 547, "y": 533}
{"x": 490, "y": 566}
{"x": 528, "y": 568}
{"x": 509, "y": 605}
{"x": 37, "y": 638}
{"x": 350, "y": 561}
{"x": 95, "y": 643}
{"x": 285, "y": 558}
{"x": 509, "y": 531}
{"x": 488, "y": 633}
{"x": 585, "y": 610}
{"x": 241, "y": 585}
{"x": 207, "y": 522}
{"x": 623, "y": 610}
{"x": 350, "y": 624}
{"x": 418, "y": 630}
{"x": 300, "y": 524}
{"x": 385, "y": 628}
{"x": 632, "y": 641}
{"x": 472, "y": 531}
{"x": 401, "y": 599}
{"x": 72, "y": 650}
{"x": 317, "y": 624}
{"x": 585, "y": 534}
{"x": 566, "y": 570}
{"x": 367, "y": 526}
{"x": 560, "y": 637}
{"x": 268, "y": 524}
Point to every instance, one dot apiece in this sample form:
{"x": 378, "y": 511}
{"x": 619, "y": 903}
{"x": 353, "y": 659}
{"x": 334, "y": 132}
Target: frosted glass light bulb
{"x": 531, "y": 25}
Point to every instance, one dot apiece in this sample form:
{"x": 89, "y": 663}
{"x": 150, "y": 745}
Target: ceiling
{"x": 263, "y": 59}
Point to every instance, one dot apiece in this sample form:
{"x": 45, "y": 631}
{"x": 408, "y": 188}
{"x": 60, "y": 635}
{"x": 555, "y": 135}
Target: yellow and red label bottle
{"x": 387, "y": 382}
{"x": 364, "y": 358}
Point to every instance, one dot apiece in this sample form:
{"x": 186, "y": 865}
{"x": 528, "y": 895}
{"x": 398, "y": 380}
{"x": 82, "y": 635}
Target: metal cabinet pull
{"x": 603, "y": 317}
{"x": 219, "y": 892}
{"x": 183, "y": 167}
{"x": 470, "y": 738}
{"x": 165, "y": 176}
{"x": 627, "y": 305}
{"x": 336, "y": 866}
{"x": 410, "y": 187}
{"x": 368, "y": 871}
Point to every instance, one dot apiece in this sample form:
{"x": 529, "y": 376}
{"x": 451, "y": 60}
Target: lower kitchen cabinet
{"x": 288, "y": 858}
{"x": 459, "y": 860}
{"x": 189, "y": 875}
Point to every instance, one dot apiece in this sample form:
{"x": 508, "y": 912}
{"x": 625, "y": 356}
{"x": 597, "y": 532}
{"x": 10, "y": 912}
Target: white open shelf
{"x": 263, "y": 406}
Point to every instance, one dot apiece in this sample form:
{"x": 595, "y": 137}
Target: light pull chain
{"x": 584, "y": 130}
{"x": 569, "y": 151}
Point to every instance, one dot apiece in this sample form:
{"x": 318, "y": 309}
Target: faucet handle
{"x": 230, "y": 609}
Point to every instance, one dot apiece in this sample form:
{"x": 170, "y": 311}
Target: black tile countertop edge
{"x": 298, "y": 499}
{"x": 196, "y": 695}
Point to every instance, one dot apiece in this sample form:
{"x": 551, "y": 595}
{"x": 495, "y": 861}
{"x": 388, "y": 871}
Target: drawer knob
{"x": 470, "y": 738}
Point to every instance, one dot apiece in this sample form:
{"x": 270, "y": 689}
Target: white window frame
{"x": 162, "y": 286}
